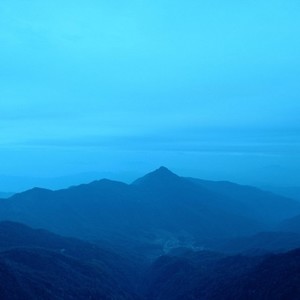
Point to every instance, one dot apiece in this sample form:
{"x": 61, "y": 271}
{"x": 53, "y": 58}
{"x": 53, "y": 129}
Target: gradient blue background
{"x": 206, "y": 88}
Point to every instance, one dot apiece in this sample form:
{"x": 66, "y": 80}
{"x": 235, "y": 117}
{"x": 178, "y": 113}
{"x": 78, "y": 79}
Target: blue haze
{"x": 207, "y": 88}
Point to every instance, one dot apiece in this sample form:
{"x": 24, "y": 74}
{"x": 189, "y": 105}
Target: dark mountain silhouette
{"x": 157, "y": 212}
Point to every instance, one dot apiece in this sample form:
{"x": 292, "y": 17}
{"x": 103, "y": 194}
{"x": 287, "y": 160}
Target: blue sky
{"x": 207, "y": 88}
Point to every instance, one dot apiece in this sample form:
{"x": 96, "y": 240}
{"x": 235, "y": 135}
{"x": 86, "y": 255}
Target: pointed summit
{"x": 160, "y": 176}
{"x": 163, "y": 171}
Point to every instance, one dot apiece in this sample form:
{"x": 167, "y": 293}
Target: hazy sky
{"x": 207, "y": 88}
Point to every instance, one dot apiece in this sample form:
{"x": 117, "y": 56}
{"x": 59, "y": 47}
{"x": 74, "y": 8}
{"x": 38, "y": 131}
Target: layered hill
{"x": 36, "y": 264}
{"x": 290, "y": 225}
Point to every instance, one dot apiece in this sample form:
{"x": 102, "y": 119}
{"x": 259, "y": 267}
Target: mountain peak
{"x": 163, "y": 170}
{"x": 160, "y": 175}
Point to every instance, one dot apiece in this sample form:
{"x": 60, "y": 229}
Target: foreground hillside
{"x": 204, "y": 275}
{"x": 36, "y": 264}
{"x": 39, "y": 265}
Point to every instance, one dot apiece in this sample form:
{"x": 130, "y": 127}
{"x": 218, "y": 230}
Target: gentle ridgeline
{"x": 160, "y": 209}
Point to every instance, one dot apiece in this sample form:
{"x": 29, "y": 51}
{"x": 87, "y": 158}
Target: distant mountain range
{"x": 160, "y": 209}
{"x": 10, "y": 183}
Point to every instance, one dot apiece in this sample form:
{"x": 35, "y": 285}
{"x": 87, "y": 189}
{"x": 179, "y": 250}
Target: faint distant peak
{"x": 160, "y": 175}
{"x": 96, "y": 185}
{"x": 104, "y": 182}
{"x": 34, "y": 192}
{"x": 37, "y": 190}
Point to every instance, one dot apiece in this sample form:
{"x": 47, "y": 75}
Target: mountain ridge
{"x": 158, "y": 207}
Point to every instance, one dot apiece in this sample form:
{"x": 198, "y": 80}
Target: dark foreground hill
{"x": 263, "y": 242}
{"x": 208, "y": 276}
{"x": 159, "y": 211}
{"x": 39, "y": 265}
{"x": 43, "y": 274}
{"x": 36, "y": 264}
